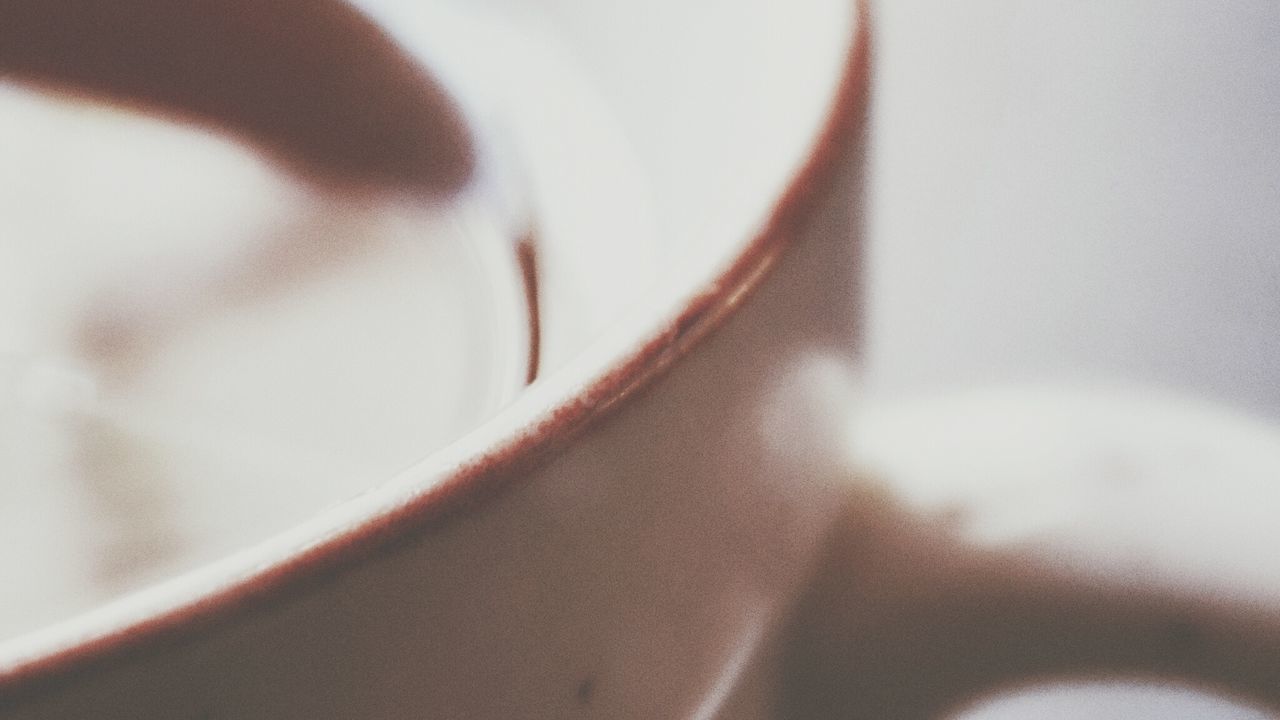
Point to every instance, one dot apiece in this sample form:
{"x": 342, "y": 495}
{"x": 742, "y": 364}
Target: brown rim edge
{"x": 473, "y": 484}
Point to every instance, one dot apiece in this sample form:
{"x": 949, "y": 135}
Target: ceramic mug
{"x": 665, "y": 523}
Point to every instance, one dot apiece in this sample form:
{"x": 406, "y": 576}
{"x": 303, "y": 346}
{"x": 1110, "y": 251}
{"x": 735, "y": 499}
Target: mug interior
{"x": 196, "y": 351}
{"x": 700, "y": 118}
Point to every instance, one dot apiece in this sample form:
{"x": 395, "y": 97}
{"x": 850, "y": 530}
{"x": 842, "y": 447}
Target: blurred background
{"x": 1078, "y": 192}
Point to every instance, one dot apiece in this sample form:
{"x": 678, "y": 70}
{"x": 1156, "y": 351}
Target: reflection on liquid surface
{"x": 197, "y": 349}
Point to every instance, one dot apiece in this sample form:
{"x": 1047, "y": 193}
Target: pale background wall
{"x": 1077, "y": 189}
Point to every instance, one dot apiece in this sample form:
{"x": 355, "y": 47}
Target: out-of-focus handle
{"x": 914, "y": 613}
{"x": 933, "y": 627}
{"x": 312, "y": 82}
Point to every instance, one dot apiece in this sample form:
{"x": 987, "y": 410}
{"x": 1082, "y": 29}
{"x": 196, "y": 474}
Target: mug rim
{"x": 522, "y": 437}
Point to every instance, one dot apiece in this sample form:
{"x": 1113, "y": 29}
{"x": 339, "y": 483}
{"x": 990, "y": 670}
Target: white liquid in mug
{"x": 198, "y": 350}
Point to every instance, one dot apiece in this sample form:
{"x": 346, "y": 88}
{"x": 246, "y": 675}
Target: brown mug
{"x": 665, "y": 522}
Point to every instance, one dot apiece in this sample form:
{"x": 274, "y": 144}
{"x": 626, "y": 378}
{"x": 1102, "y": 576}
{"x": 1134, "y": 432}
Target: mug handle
{"x": 906, "y": 618}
